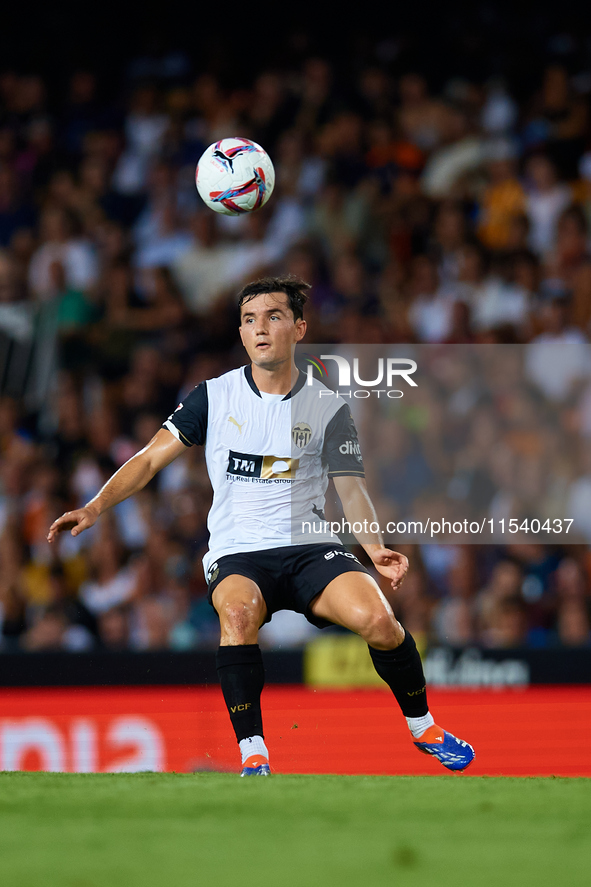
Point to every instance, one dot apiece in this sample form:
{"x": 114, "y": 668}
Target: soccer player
{"x": 271, "y": 443}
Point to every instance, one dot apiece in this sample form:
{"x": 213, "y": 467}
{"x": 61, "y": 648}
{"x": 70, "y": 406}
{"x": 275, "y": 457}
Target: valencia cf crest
{"x": 301, "y": 434}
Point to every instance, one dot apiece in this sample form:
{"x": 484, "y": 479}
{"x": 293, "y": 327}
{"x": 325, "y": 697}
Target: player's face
{"x": 268, "y": 330}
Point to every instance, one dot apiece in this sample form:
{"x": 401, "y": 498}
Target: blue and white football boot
{"x": 453, "y": 753}
{"x": 256, "y": 765}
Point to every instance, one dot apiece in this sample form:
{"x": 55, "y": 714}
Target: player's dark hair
{"x": 294, "y": 288}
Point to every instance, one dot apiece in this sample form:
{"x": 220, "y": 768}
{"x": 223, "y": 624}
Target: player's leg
{"x": 355, "y": 601}
{"x": 241, "y": 607}
{"x": 242, "y": 610}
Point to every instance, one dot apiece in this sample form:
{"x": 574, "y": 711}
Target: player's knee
{"x": 241, "y": 613}
{"x": 380, "y": 629}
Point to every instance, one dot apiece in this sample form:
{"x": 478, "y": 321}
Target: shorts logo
{"x": 213, "y": 573}
{"x": 301, "y": 434}
{"x": 330, "y": 554}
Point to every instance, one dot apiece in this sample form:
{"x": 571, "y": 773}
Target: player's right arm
{"x": 129, "y": 479}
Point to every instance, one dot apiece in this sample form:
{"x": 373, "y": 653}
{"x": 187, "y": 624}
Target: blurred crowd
{"x": 525, "y": 595}
{"x": 452, "y": 212}
{"x": 496, "y": 435}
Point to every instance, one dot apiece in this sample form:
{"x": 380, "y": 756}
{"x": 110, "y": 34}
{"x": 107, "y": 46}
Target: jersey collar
{"x": 300, "y": 382}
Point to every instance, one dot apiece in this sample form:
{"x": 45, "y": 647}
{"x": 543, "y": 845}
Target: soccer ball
{"x": 235, "y": 176}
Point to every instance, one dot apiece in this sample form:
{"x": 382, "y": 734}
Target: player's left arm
{"x": 342, "y": 455}
{"x": 359, "y": 509}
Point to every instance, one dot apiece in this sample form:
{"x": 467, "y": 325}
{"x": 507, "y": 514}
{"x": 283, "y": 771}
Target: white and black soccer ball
{"x": 235, "y": 176}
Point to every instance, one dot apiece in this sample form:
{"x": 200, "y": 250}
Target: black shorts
{"x": 289, "y": 578}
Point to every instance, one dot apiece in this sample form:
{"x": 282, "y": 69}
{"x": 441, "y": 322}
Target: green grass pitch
{"x": 156, "y": 830}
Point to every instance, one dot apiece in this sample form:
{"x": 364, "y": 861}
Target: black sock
{"x": 242, "y": 676}
{"x": 402, "y": 670}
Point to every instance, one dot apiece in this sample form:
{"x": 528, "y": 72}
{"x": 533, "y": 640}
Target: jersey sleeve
{"x": 188, "y": 423}
{"x": 341, "y": 450}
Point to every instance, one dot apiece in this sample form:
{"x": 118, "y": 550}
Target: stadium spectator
{"x": 430, "y": 312}
{"x": 558, "y": 357}
{"x": 16, "y": 318}
{"x": 60, "y": 245}
{"x": 564, "y": 116}
{"x": 421, "y": 118}
{"x": 15, "y": 211}
{"x": 503, "y": 200}
{"x": 113, "y": 628}
{"x": 546, "y": 198}
{"x": 111, "y": 581}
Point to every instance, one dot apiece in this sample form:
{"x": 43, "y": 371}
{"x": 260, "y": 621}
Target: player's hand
{"x": 390, "y": 564}
{"x": 76, "y": 521}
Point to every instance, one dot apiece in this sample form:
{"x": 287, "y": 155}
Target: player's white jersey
{"x": 269, "y": 462}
